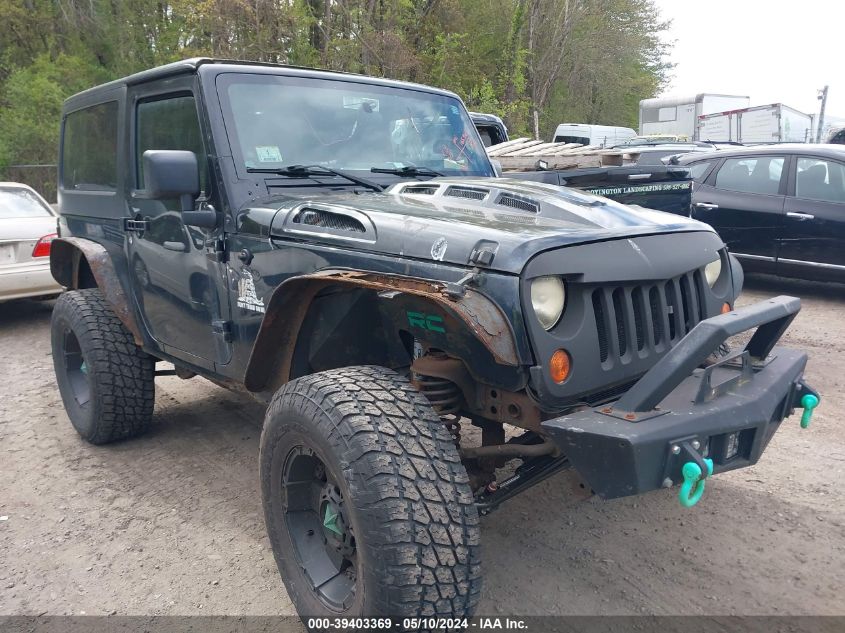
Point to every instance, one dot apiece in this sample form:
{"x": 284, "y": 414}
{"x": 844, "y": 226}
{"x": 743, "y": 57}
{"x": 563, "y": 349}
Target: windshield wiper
{"x": 316, "y": 170}
{"x": 408, "y": 170}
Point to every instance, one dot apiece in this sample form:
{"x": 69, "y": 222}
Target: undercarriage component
{"x": 444, "y": 395}
{"x": 507, "y": 407}
{"x": 528, "y": 474}
{"x": 510, "y": 450}
{"x": 431, "y": 374}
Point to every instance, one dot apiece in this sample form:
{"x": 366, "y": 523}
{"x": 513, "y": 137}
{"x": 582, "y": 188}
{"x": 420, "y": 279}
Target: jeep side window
{"x": 169, "y": 123}
{"x": 89, "y": 148}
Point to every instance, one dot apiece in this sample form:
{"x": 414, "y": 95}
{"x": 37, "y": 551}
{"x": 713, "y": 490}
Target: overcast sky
{"x": 775, "y": 51}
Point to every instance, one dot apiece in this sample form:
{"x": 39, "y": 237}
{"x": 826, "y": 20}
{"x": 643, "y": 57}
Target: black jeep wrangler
{"x": 339, "y": 247}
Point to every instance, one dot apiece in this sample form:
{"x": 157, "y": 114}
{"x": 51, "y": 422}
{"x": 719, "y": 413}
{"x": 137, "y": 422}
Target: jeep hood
{"x": 453, "y": 219}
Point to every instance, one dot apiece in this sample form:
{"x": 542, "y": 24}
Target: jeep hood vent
{"x": 328, "y": 220}
{"x": 420, "y": 190}
{"x": 514, "y": 202}
{"x": 470, "y": 193}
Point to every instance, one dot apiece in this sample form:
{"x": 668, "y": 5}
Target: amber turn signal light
{"x": 726, "y": 307}
{"x": 560, "y": 365}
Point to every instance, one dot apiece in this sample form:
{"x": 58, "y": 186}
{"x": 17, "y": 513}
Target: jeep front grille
{"x": 644, "y": 319}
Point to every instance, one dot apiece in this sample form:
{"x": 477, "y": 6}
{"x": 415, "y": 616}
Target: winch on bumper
{"x": 678, "y": 413}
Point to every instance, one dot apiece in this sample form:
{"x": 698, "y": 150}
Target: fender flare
{"x": 66, "y": 261}
{"x": 272, "y": 353}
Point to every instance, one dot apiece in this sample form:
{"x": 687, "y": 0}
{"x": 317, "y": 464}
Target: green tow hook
{"x": 693, "y": 486}
{"x": 809, "y": 402}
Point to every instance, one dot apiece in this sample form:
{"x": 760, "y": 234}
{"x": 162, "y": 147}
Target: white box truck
{"x": 679, "y": 115}
{"x": 773, "y": 123}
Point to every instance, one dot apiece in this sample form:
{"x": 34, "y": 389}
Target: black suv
{"x": 339, "y": 247}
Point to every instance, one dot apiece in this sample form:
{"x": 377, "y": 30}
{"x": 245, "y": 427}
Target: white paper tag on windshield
{"x": 268, "y": 154}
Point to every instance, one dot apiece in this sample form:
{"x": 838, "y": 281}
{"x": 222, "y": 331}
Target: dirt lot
{"x": 171, "y": 523}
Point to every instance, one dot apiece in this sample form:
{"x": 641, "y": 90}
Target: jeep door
{"x": 177, "y": 279}
{"x": 743, "y": 199}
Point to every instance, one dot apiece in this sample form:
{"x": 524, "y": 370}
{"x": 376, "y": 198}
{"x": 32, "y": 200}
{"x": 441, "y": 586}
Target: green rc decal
{"x": 430, "y": 322}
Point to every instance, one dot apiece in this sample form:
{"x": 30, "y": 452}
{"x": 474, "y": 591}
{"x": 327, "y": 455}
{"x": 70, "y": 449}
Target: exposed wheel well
{"x": 338, "y": 318}
{"x": 78, "y": 263}
{"x": 84, "y": 276}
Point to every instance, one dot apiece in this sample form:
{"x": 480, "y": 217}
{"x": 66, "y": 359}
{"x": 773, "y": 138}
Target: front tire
{"x": 368, "y": 507}
{"x": 106, "y": 381}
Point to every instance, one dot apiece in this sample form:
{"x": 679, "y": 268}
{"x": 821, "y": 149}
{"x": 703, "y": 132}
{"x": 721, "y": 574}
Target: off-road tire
{"x": 416, "y": 527}
{"x": 120, "y": 375}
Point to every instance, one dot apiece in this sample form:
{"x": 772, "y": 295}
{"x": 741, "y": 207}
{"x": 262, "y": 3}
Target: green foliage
{"x": 577, "y": 60}
{"x": 32, "y": 102}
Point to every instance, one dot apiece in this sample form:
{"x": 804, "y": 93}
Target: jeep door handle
{"x": 706, "y": 206}
{"x": 800, "y": 216}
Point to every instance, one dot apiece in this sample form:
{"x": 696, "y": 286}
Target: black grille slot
{"x": 513, "y": 202}
{"x": 639, "y": 309}
{"x": 466, "y": 192}
{"x": 673, "y": 307}
{"x": 698, "y": 282}
{"x": 619, "y": 313}
{"x": 656, "y": 315}
{"x": 423, "y": 190}
{"x": 329, "y": 220}
{"x": 646, "y": 319}
{"x": 601, "y": 328}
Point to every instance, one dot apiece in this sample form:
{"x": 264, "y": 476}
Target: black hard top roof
{"x": 193, "y": 64}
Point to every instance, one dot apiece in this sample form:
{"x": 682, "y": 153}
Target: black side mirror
{"x": 171, "y": 173}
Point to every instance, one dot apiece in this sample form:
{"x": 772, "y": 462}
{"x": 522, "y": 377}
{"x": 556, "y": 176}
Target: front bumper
{"x": 678, "y": 412}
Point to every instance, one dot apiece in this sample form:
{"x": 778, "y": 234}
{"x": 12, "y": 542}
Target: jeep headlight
{"x": 548, "y": 296}
{"x": 712, "y": 272}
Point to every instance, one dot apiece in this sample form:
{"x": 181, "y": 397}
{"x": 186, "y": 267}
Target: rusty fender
{"x": 272, "y": 354}
{"x": 66, "y": 254}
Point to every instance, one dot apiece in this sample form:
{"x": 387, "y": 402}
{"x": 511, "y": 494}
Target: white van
{"x": 586, "y": 134}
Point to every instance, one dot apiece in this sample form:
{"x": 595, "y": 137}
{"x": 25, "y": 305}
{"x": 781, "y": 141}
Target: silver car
{"x": 27, "y": 227}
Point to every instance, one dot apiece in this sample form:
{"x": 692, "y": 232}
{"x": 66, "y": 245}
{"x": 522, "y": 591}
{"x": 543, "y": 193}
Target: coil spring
{"x": 445, "y": 398}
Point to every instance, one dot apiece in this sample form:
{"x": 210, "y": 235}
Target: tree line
{"x": 536, "y": 63}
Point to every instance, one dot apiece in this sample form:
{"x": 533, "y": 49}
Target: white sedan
{"x": 27, "y": 227}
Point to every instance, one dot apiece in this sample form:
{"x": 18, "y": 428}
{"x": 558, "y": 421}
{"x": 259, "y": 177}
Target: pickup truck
{"x": 665, "y": 188}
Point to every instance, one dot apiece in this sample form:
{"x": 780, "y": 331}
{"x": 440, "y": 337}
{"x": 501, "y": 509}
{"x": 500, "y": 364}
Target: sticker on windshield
{"x": 360, "y": 103}
{"x": 247, "y": 297}
{"x": 268, "y": 154}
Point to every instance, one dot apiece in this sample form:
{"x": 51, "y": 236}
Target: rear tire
{"x": 106, "y": 381}
{"x": 358, "y": 472}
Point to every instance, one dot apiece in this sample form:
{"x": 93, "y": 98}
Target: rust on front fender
{"x": 66, "y": 254}
{"x": 272, "y": 354}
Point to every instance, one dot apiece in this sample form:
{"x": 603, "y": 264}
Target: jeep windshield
{"x": 276, "y": 122}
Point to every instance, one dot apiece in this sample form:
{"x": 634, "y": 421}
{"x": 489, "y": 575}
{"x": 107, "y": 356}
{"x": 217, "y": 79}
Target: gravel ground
{"x": 171, "y": 523}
